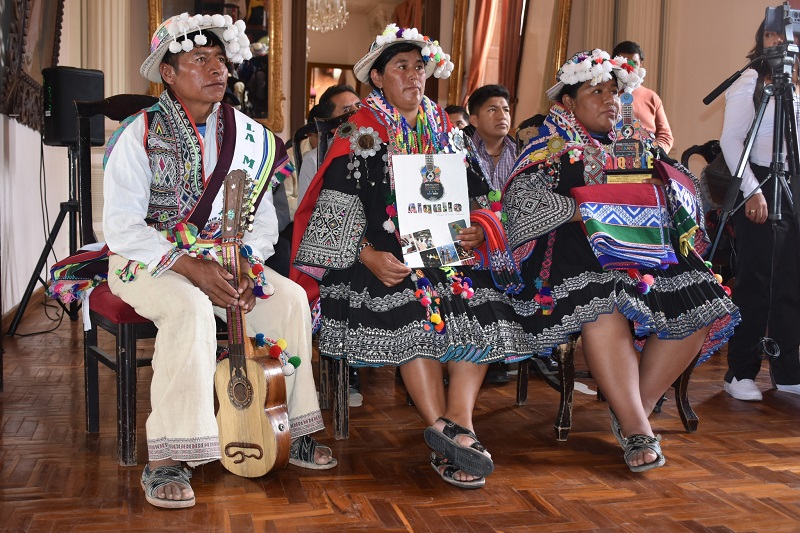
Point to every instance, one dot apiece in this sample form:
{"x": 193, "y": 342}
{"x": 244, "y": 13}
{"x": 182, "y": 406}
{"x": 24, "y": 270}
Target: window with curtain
{"x": 497, "y": 41}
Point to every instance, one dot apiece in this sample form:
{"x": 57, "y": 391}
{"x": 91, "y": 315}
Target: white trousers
{"x": 182, "y": 423}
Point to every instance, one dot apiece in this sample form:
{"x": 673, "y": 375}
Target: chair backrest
{"x": 117, "y": 107}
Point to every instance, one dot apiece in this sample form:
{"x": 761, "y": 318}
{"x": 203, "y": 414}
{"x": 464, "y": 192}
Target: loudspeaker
{"x": 61, "y": 87}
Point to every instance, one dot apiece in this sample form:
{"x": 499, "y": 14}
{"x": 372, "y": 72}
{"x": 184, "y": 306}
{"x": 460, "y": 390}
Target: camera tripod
{"x": 781, "y": 90}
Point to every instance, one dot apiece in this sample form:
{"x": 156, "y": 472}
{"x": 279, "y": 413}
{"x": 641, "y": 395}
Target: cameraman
{"x": 767, "y": 289}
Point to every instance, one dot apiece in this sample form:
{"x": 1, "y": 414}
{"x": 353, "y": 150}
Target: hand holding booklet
{"x": 432, "y": 207}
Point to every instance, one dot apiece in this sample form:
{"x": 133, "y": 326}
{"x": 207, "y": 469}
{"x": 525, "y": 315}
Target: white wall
{"x": 708, "y": 42}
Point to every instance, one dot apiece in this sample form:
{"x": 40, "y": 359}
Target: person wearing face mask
{"x": 458, "y": 116}
{"x": 559, "y": 191}
{"x": 377, "y": 311}
{"x": 766, "y": 265}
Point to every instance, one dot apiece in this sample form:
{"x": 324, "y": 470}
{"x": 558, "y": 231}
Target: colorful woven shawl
{"x": 627, "y": 225}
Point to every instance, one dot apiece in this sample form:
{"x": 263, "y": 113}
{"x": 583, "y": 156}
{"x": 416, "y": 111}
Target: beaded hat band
{"x": 172, "y": 35}
{"x": 437, "y": 63}
{"x": 596, "y": 66}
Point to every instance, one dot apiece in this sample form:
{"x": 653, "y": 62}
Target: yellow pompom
{"x": 282, "y": 343}
{"x": 718, "y": 278}
{"x": 435, "y": 318}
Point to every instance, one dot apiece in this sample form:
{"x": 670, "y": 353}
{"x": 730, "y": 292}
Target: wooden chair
{"x": 564, "y": 382}
{"x": 107, "y": 311}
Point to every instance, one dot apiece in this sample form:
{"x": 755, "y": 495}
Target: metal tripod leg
{"x": 73, "y": 209}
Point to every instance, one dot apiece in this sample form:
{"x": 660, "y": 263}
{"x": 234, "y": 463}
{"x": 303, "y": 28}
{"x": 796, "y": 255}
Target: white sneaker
{"x": 356, "y": 399}
{"x": 794, "y": 389}
{"x": 745, "y": 389}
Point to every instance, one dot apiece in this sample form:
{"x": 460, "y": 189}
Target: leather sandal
{"x": 448, "y": 473}
{"x": 154, "y": 479}
{"x": 469, "y": 459}
{"x": 638, "y": 443}
{"x": 302, "y": 453}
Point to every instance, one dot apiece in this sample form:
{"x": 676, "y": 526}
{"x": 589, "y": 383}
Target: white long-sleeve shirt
{"x": 307, "y": 172}
{"x": 127, "y": 193}
{"x": 739, "y": 114}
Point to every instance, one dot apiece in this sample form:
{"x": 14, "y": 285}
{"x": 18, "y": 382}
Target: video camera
{"x": 786, "y": 21}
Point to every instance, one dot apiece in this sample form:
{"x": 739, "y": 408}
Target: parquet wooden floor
{"x": 740, "y": 472}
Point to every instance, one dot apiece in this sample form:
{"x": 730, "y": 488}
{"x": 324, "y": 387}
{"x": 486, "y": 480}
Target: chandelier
{"x": 326, "y": 15}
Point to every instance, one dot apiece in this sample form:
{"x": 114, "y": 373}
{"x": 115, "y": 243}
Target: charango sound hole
{"x": 240, "y": 392}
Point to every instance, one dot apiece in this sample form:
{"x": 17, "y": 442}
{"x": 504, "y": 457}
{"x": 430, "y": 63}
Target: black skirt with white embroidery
{"x": 684, "y": 298}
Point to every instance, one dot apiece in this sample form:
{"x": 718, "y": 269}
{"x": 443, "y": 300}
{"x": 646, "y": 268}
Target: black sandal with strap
{"x": 469, "y": 459}
{"x": 638, "y": 443}
{"x": 303, "y": 454}
{"x": 448, "y": 474}
{"x": 154, "y": 479}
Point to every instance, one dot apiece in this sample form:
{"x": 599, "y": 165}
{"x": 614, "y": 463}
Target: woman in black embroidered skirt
{"x": 668, "y": 313}
{"x": 374, "y": 309}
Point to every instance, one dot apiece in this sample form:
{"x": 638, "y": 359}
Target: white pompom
{"x": 200, "y": 40}
{"x": 182, "y": 26}
{"x": 228, "y": 20}
{"x": 175, "y": 47}
{"x": 218, "y": 20}
{"x": 244, "y": 41}
{"x": 247, "y": 54}
{"x": 288, "y": 369}
{"x": 228, "y": 35}
{"x": 206, "y": 20}
{"x": 233, "y": 47}
{"x": 186, "y": 45}
{"x": 425, "y": 51}
{"x": 388, "y": 225}
{"x": 237, "y": 58}
{"x": 241, "y": 25}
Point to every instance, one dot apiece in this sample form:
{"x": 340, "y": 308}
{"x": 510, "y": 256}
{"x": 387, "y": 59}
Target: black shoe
{"x": 497, "y": 373}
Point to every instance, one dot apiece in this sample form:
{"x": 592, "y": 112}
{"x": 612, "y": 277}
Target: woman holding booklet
{"x": 614, "y": 258}
{"x": 376, "y": 310}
